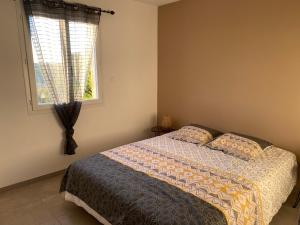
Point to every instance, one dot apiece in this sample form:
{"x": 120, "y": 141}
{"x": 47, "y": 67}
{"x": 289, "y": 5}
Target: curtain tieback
{"x": 69, "y": 132}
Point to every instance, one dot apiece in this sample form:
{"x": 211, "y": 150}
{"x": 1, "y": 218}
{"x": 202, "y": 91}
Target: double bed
{"x": 163, "y": 181}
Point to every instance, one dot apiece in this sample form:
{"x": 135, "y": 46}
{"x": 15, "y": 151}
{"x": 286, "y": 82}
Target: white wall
{"x": 31, "y": 144}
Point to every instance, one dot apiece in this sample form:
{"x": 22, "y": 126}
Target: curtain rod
{"x": 108, "y": 11}
{"x": 75, "y": 5}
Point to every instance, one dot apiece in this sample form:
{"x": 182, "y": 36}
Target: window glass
{"x": 52, "y": 57}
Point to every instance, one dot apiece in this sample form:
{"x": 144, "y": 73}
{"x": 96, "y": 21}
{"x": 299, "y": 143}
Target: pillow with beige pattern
{"x": 243, "y": 147}
{"x": 192, "y": 134}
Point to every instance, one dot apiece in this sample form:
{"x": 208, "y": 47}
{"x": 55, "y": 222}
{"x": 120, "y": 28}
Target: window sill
{"x": 45, "y": 109}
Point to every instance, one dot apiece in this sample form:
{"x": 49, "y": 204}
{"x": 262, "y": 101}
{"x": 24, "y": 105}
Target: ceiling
{"x": 159, "y": 2}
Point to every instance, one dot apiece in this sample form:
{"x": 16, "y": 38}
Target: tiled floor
{"x": 40, "y": 204}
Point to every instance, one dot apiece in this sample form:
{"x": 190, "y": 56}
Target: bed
{"x": 162, "y": 181}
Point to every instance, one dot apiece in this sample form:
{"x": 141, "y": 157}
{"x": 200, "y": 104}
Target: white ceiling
{"x": 158, "y": 2}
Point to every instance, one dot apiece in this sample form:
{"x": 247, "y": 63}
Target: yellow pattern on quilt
{"x": 236, "y": 197}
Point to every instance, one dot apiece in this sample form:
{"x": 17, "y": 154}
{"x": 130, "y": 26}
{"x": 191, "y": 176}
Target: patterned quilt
{"x": 161, "y": 181}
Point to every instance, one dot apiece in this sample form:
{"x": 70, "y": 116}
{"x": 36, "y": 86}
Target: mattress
{"x": 265, "y": 182}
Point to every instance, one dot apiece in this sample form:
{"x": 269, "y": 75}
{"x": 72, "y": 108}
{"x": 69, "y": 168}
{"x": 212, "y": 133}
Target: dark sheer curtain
{"x": 63, "y": 38}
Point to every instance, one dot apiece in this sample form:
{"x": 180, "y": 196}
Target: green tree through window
{"x": 88, "y": 92}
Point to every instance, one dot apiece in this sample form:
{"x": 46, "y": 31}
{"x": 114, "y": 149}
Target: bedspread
{"x": 161, "y": 181}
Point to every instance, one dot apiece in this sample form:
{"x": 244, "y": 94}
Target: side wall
{"x": 31, "y": 144}
{"x": 232, "y": 65}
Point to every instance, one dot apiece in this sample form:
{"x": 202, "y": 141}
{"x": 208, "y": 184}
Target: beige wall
{"x": 31, "y": 145}
{"x": 232, "y": 65}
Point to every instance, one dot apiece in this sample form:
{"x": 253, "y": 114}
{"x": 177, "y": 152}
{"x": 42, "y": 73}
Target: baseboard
{"x": 33, "y": 180}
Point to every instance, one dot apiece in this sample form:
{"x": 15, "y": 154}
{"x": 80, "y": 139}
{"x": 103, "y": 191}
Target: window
{"x": 52, "y": 45}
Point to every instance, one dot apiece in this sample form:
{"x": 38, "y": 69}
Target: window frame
{"x": 28, "y": 66}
